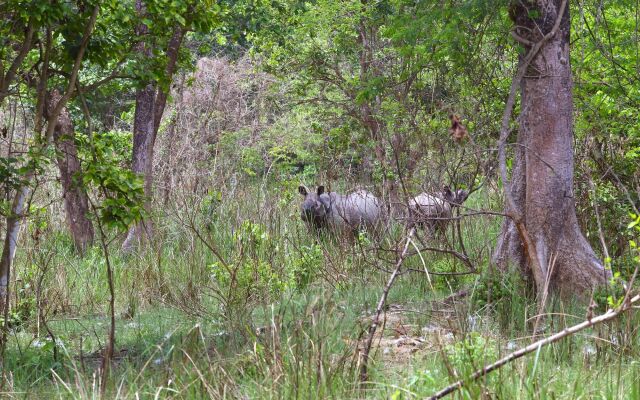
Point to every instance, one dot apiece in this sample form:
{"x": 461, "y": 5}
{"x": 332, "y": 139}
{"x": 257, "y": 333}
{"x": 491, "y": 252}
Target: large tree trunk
{"x": 76, "y": 202}
{"x": 542, "y": 185}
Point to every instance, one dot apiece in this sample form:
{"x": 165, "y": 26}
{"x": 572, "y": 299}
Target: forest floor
{"x": 310, "y": 351}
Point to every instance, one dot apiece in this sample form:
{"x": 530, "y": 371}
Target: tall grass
{"x": 235, "y": 298}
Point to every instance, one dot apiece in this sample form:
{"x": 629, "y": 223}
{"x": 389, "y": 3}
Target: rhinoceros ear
{"x": 320, "y": 190}
{"x": 302, "y": 189}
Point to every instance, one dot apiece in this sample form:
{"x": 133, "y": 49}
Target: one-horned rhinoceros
{"x": 341, "y": 213}
{"x": 435, "y": 210}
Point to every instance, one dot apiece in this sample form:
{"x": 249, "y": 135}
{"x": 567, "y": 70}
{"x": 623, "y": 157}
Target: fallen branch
{"x": 364, "y": 358}
{"x": 609, "y": 315}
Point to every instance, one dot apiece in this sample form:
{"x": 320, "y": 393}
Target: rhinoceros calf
{"x": 341, "y": 213}
{"x": 435, "y": 210}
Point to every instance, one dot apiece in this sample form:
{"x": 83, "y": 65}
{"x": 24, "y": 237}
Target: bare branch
{"x": 609, "y": 315}
{"x": 6, "y": 80}
{"x": 53, "y": 116}
{"x": 364, "y": 357}
{"x": 520, "y": 39}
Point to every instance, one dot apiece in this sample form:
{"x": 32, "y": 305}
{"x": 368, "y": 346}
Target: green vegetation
{"x": 184, "y": 128}
{"x": 288, "y": 323}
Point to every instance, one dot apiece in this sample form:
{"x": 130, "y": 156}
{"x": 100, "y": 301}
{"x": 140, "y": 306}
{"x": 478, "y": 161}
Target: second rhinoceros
{"x": 435, "y": 210}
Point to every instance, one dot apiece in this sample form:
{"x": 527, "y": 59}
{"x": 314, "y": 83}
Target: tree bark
{"x": 76, "y": 202}
{"x": 150, "y": 105}
{"x": 542, "y": 184}
{"x": 510, "y": 249}
{"x": 141, "y": 163}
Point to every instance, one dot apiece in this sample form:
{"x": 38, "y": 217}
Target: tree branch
{"x": 173, "y": 49}
{"x": 53, "y": 116}
{"x": 609, "y": 315}
{"x": 24, "y": 50}
{"x": 364, "y": 357}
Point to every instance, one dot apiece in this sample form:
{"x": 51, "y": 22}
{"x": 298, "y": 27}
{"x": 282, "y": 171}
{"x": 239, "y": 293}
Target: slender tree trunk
{"x": 10, "y": 243}
{"x": 543, "y": 172}
{"x": 367, "y": 34}
{"x": 6, "y": 79}
{"x": 143, "y": 124}
{"x": 169, "y": 175}
{"x": 76, "y": 203}
{"x": 141, "y": 164}
{"x": 150, "y": 104}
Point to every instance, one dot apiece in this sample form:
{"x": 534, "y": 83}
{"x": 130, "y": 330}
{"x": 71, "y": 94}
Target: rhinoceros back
{"x": 358, "y": 209}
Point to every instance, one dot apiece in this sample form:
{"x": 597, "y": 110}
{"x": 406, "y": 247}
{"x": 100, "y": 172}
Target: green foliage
{"x": 304, "y": 268}
{"x": 122, "y": 191}
{"x": 392, "y": 65}
{"x": 635, "y": 223}
{"x": 491, "y": 287}
{"x": 278, "y": 310}
{"x": 161, "y": 19}
{"x": 505, "y": 296}
{"x": 471, "y": 353}
{"x": 114, "y": 147}
{"x": 210, "y": 204}
{"x": 607, "y": 129}
{"x": 285, "y": 317}
{"x": 612, "y": 296}
{"x": 250, "y": 275}
{"x": 11, "y": 177}
{"x": 26, "y": 307}
{"x": 38, "y": 361}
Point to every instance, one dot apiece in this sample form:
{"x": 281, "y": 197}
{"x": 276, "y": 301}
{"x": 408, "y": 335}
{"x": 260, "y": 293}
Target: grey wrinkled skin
{"x": 341, "y": 213}
{"x": 434, "y": 211}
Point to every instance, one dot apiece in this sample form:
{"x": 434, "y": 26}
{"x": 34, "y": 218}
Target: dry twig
{"x": 364, "y": 358}
{"x": 609, "y": 315}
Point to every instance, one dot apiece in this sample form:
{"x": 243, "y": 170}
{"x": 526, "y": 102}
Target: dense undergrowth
{"x": 237, "y": 299}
